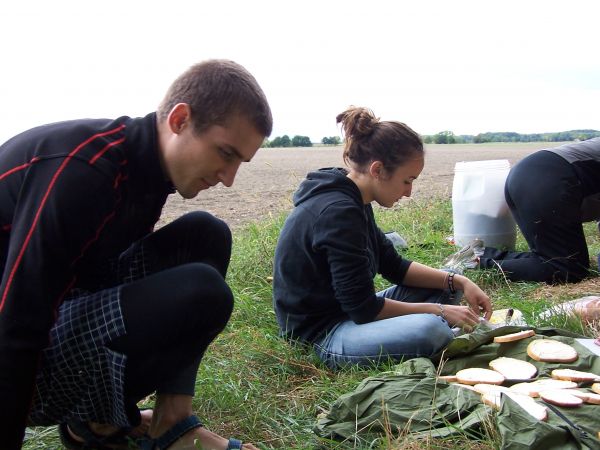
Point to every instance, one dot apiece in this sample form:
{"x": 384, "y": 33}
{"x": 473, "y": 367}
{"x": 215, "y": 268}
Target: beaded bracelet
{"x": 441, "y": 311}
{"x": 451, "y": 285}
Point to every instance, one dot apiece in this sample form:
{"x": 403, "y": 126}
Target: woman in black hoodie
{"x": 330, "y": 249}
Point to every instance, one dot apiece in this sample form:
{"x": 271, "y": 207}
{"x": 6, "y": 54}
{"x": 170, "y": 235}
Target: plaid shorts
{"x": 80, "y": 378}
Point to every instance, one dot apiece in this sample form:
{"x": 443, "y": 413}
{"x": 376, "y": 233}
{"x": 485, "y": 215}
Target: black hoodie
{"x": 328, "y": 253}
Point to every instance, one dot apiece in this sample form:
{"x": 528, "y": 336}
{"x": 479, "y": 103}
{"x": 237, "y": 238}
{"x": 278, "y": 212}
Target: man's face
{"x": 195, "y": 162}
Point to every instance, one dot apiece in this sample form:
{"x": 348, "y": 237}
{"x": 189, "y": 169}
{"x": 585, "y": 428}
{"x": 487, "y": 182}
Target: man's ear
{"x": 179, "y": 117}
{"x": 376, "y": 169}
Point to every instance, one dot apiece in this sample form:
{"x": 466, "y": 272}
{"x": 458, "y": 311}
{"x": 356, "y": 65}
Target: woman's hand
{"x": 478, "y": 300}
{"x": 460, "y": 316}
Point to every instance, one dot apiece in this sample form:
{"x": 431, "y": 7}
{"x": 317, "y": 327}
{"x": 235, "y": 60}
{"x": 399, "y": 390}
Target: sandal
{"x": 120, "y": 439}
{"x": 167, "y": 439}
{"x": 234, "y": 444}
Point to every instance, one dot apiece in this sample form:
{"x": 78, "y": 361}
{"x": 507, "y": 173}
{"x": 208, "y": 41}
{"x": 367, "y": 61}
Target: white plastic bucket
{"x": 479, "y": 209}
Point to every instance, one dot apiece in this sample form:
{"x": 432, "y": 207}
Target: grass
{"x": 253, "y": 385}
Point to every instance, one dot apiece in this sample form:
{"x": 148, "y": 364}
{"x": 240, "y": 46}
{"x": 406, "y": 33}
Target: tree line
{"x": 448, "y": 137}
{"x": 285, "y": 141}
{"x": 299, "y": 141}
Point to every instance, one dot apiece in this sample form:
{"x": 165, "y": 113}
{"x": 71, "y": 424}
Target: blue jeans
{"x": 396, "y": 338}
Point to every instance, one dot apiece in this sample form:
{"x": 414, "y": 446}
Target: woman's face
{"x": 391, "y": 187}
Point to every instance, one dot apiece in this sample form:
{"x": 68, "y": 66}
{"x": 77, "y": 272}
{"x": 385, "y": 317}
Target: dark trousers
{"x": 545, "y": 197}
{"x": 176, "y": 310}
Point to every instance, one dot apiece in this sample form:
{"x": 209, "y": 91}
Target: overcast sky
{"x": 466, "y": 66}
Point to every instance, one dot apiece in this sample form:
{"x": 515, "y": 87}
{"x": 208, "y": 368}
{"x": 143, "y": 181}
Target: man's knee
{"x": 208, "y": 225}
{"x": 203, "y": 289}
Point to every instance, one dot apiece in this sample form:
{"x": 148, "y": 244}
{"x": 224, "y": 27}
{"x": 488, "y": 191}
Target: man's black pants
{"x": 545, "y": 198}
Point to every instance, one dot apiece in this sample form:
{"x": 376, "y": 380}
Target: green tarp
{"x": 411, "y": 399}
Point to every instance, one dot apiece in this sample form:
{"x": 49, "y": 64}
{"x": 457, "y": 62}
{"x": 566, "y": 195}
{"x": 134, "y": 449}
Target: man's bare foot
{"x": 105, "y": 430}
{"x": 144, "y": 426}
{"x": 171, "y": 409}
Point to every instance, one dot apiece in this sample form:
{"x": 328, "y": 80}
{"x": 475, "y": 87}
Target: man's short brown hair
{"x": 216, "y": 90}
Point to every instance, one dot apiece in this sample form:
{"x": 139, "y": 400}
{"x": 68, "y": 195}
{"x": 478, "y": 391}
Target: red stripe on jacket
{"x": 21, "y": 167}
{"x": 43, "y": 203}
{"x": 106, "y": 147}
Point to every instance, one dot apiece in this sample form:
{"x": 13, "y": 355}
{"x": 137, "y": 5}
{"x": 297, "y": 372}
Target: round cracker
{"x": 514, "y": 336}
{"x": 493, "y": 399}
{"x": 513, "y": 369}
{"x": 448, "y": 378}
{"x": 596, "y": 388}
{"x": 465, "y": 386}
{"x": 525, "y": 389}
{"x": 592, "y": 399}
{"x": 475, "y": 375}
{"x": 484, "y": 388}
{"x": 587, "y": 397}
{"x": 534, "y": 388}
{"x": 549, "y": 350}
{"x": 577, "y": 393}
{"x": 536, "y": 410}
{"x": 574, "y": 375}
{"x": 561, "y": 397}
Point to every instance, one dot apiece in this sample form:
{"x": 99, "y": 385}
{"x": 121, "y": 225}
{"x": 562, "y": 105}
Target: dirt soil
{"x": 265, "y": 185}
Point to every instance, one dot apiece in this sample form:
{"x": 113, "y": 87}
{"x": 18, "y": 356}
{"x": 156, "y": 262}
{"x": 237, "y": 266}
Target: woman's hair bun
{"x": 368, "y": 139}
{"x": 357, "y": 122}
